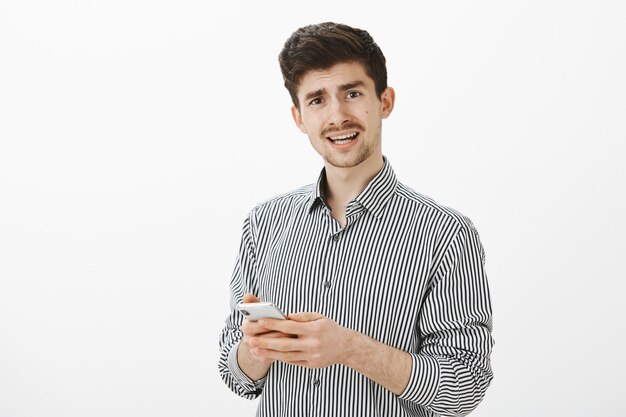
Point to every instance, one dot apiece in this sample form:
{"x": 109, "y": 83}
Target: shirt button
{"x": 336, "y": 237}
{"x": 327, "y": 284}
{"x": 316, "y": 383}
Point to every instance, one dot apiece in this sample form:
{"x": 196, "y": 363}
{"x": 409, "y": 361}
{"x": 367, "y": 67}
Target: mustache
{"x": 345, "y": 126}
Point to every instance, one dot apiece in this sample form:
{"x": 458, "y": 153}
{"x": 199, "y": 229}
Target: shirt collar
{"x": 374, "y": 197}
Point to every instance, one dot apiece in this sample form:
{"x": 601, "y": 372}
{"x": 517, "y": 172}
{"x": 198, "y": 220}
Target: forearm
{"x": 234, "y": 377}
{"x": 253, "y": 367}
{"x": 385, "y": 365}
{"x": 446, "y": 385}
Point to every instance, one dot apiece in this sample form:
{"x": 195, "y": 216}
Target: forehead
{"x": 334, "y": 77}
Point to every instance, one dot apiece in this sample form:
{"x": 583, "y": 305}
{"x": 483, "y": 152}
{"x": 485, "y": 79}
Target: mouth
{"x": 343, "y": 139}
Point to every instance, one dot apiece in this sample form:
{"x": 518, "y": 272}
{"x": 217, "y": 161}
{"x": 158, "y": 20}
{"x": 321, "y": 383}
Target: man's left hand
{"x": 320, "y": 342}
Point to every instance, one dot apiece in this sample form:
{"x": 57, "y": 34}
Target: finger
{"x": 252, "y": 325}
{"x": 251, "y": 328}
{"x": 247, "y": 339}
{"x": 274, "y": 335}
{"x": 287, "y": 357}
{"x": 280, "y": 344}
{"x": 284, "y": 326}
{"x": 250, "y": 298}
{"x": 304, "y": 317}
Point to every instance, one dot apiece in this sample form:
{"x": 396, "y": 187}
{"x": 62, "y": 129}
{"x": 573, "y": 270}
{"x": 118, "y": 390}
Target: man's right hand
{"x": 254, "y": 366}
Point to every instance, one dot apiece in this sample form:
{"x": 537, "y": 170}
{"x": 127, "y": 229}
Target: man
{"x": 390, "y": 308}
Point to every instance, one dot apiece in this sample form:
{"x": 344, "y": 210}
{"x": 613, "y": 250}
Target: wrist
{"x": 253, "y": 366}
{"x": 352, "y": 349}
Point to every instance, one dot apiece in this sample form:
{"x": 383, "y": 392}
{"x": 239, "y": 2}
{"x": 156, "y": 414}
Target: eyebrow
{"x": 314, "y": 94}
{"x": 351, "y": 85}
{"x": 343, "y": 87}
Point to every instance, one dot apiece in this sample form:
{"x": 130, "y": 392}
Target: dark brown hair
{"x": 318, "y": 47}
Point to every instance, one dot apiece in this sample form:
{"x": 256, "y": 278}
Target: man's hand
{"x": 320, "y": 342}
{"x": 253, "y": 365}
{"x": 253, "y": 329}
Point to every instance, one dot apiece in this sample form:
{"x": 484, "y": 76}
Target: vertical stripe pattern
{"x": 404, "y": 270}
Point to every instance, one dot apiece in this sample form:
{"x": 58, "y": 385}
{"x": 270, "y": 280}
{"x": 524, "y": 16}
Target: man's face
{"x": 341, "y": 113}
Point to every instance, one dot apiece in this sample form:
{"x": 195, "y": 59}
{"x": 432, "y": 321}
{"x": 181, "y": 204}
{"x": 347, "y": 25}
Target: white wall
{"x": 135, "y": 136}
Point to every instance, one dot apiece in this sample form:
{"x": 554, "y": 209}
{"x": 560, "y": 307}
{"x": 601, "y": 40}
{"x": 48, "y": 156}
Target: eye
{"x": 315, "y": 101}
{"x": 353, "y": 94}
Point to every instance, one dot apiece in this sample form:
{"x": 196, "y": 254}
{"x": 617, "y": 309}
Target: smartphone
{"x": 257, "y": 311}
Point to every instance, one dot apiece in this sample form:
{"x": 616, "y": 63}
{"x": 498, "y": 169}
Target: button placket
{"x": 335, "y": 238}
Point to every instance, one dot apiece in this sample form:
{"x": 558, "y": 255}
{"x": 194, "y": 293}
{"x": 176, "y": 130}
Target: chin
{"x": 349, "y": 162}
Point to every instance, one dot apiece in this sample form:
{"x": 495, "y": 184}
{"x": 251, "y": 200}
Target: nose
{"x": 338, "y": 113}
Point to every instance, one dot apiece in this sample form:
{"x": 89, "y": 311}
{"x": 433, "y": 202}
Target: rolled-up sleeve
{"x": 452, "y": 370}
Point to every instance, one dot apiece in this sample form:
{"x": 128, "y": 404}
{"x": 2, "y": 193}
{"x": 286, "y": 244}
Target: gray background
{"x": 135, "y": 136}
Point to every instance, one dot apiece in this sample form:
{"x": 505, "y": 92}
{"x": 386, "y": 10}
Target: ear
{"x": 298, "y": 119}
{"x": 388, "y": 98}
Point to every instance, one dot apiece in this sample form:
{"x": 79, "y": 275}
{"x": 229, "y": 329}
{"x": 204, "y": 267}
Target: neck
{"x": 344, "y": 184}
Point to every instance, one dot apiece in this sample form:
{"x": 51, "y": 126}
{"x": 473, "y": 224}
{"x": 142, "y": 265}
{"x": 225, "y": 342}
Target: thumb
{"x": 250, "y": 298}
{"x": 304, "y": 317}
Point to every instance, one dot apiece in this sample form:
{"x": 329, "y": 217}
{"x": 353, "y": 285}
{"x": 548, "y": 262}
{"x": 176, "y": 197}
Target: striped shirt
{"x": 404, "y": 270}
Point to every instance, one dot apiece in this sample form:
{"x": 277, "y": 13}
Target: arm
{"x": 236, "y": 367}
{"x": 451, "y": 371}
{"x": 241, "y": 370}
{"x": 455, "y": 328}
{"x": 321, "y": 342}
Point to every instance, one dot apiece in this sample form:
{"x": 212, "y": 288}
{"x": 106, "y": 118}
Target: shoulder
{"x": 282, "y": 204}
{"x": 432, "y": 211}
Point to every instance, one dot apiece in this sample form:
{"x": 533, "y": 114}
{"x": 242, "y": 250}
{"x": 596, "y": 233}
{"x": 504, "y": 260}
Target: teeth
{"x": 342, "y": 137}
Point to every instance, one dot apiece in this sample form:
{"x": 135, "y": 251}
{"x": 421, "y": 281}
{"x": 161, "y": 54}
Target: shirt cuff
{"x": 424, "y": 381}
{"x": 239, "y": 376}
